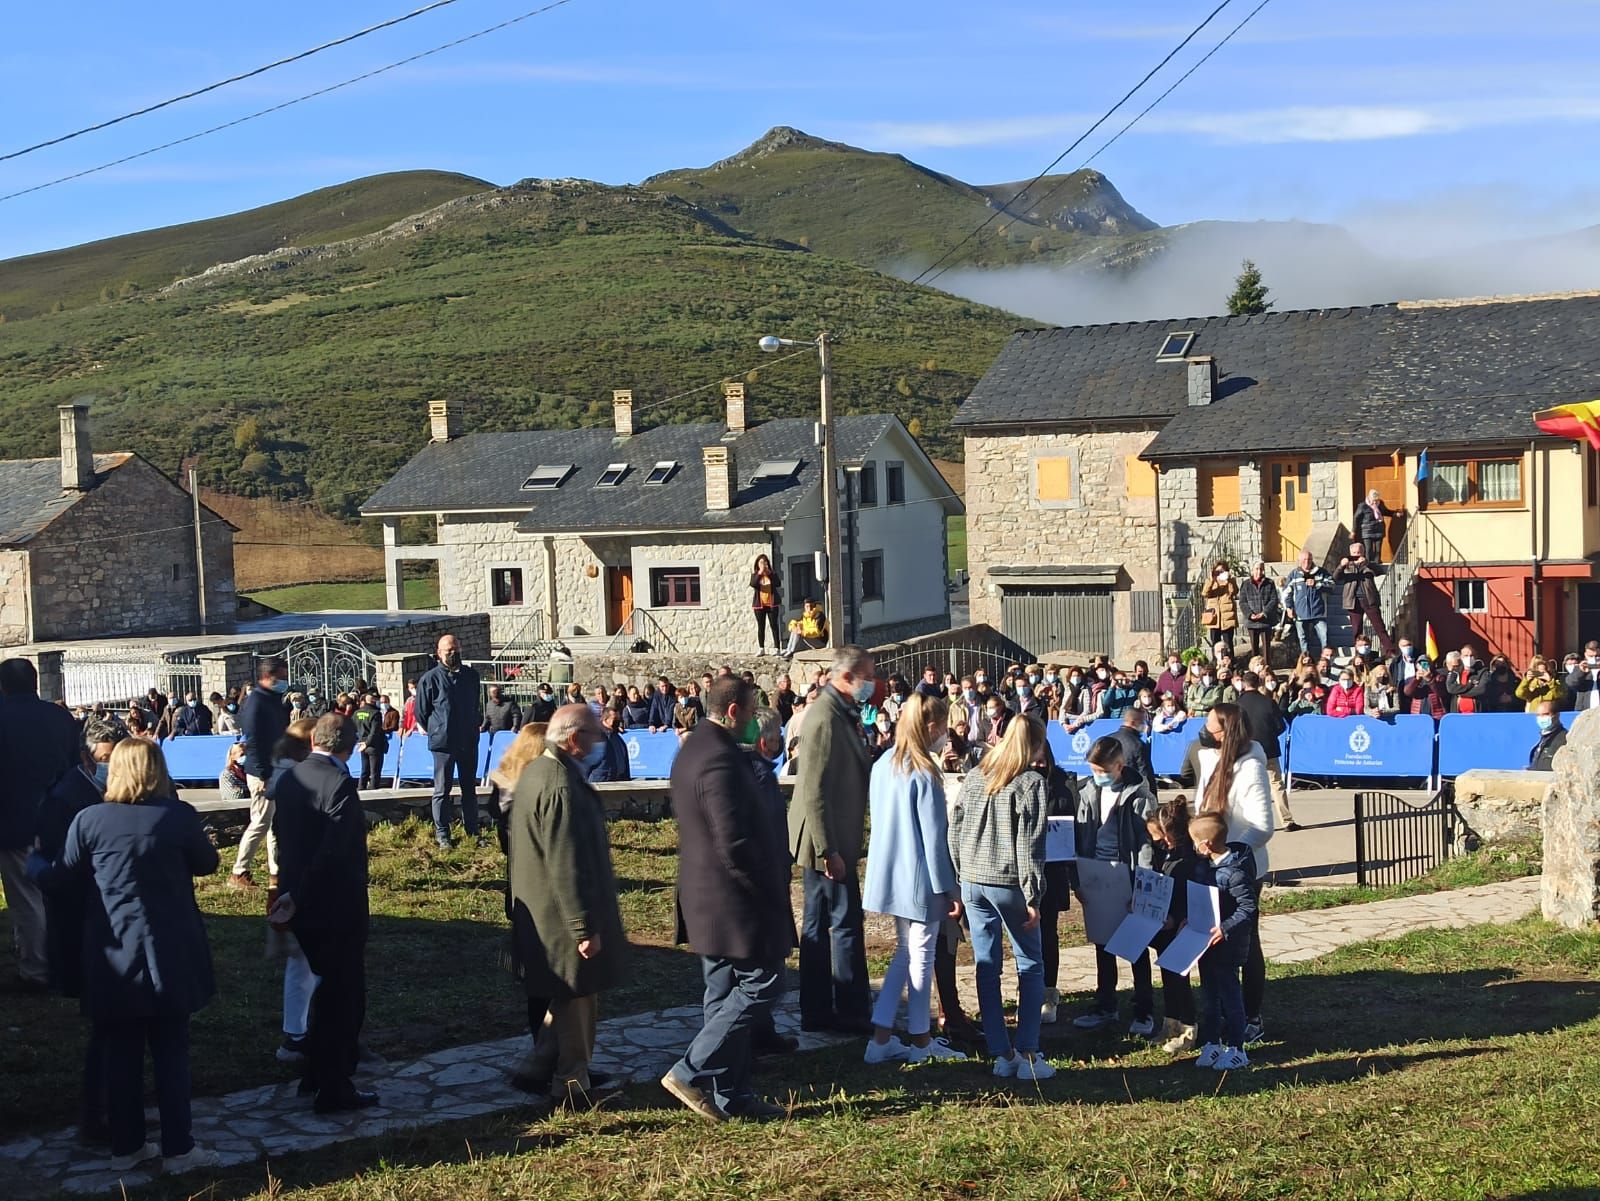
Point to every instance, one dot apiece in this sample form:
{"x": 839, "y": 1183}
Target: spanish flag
{"x": 1579, "y": 421}
{"x": 1429, "y": 644}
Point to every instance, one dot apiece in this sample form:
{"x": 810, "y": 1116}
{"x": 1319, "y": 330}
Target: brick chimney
{"x": 444, "y": 420}
{"x": 77, "y": 453}
{"x": 733, "y": 393}
{"x": 721, "y": 484}
{"x": 1202, "y": 380}
{"x": 622, "y": 411}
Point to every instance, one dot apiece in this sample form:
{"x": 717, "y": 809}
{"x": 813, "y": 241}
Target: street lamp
{"x": 833, "y": 607}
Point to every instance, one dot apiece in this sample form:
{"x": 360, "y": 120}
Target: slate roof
{"x": 480, "y": 472}
{"x": 1380, "y": 377}
{"x": 31, "y": 496}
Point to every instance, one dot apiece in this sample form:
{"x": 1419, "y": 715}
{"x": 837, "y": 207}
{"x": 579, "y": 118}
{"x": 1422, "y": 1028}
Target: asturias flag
{"x": 1579, "y": 421}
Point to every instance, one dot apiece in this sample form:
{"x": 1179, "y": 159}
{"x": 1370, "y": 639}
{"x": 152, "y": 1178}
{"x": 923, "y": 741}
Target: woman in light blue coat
{"x": 911, "y": 878}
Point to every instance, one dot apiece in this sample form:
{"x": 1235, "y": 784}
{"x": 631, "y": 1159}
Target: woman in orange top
{"x": 766, "y": 599}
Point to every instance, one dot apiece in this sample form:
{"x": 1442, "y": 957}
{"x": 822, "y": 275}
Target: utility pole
{"x": 199, "y": 548}
{"x": 830, "y": 500}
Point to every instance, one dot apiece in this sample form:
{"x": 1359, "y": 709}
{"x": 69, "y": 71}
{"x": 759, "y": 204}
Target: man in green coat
{"x": 566, "y": 929}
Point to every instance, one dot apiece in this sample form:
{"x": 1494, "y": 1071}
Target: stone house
{"x": 99, "y": 546}
{"x": 612, "y": 535}
{"x": 1139, "y": 453}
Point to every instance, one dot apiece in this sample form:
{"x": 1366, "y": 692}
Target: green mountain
{"x": 882, "y": 210}
{"x": 138, "y": 262}
{"x": 305, "y": 371}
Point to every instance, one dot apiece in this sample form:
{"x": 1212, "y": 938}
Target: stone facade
{"x": 14, "y": 593}
{"x": 1007, "y": 525}
{"x": 1500, "y": 806}
{"x": 1570, "y": 888}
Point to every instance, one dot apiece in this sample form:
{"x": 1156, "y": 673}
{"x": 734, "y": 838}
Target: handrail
{"x": 652, "y": 633}
{"x": 509, "y": 650}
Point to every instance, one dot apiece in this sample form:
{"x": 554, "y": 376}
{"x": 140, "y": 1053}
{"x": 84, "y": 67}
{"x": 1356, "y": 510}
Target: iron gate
{"x": 113, "y": 674}
{"x": 1397, "y": 841}
{"x": 331, "y": 661}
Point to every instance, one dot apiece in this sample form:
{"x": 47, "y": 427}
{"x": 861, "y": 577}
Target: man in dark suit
{"x": 447, "y": 710}
{"x": 614, "y": 764}
{"x": 1265, "y": 723}
{"x": 322, "y": 871}
{"x": 39, "y": 743}
{"x": 733, "y": 905}
{"x": 1135, "y": 750}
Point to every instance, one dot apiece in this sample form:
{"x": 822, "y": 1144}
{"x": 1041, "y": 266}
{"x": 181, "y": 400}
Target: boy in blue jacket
{"x": 1231, "y": 866}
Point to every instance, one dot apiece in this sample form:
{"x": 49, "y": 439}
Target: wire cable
{"x": 222, "y": 83}
{"x": 365, "y": 75}
{"x": 656, "y": 404}
{"x": 1078, "y": 141}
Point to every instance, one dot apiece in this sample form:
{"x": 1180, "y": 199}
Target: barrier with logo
{"x": 1071, "y": 750}
{"x": 1496, "y": 741}
{"x": 1167, "y": 750}
{"x": 650, "y": 755}
{"x": 1400, "y": 746}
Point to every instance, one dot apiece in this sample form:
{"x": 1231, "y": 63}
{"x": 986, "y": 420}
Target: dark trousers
{"x": 1223, "y": 636}
{"x": 764, "y": 619}
{"x": 833, "y": 951}
{"x": 462, "y": 765}
{"x": 1057, "y": 900}
{"x": 944, "y": 977}
{"x": 92, "y": 1113}
{"x": 338, "y": 1006}
{"x": 1261, "y": 644}
{"x": 718, "y": 1061}
{"x": 1105, "y": 992}
{"x": 1255, "y": 974}
{"x": 124, "y": 1042}
{"x": 1374, "y": 548}
{"x": 1177, "y": 995}
{"x": 372, "y": 769}
{"x": 1371, "y": 614}
{"x": 1222, "y": 1019}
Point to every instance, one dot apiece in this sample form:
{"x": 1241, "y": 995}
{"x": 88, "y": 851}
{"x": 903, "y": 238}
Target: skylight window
{"x": 1175, "y": 346}
{"x": 547, "y": 475}
{"x": 612, "y": 475}
{"x": 775, "y": 469}
{"x": 660, "y": 472}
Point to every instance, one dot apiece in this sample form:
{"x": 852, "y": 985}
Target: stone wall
{"x": 645, "y": 669}
{"x": 121, "y": 561}
{"x": 14, "y": 593}
{"x": 878, "y": 635}
{"x": 1007, "y": 525}
{"x": 1500, "y": 806}
{"x": 1570, "y": 889}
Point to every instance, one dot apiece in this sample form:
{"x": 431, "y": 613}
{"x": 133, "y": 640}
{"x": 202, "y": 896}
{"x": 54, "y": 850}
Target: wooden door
{"x": 1389, "y": 478}
{"x": 1287, "y": 513}
{"x": 619, "y": 597}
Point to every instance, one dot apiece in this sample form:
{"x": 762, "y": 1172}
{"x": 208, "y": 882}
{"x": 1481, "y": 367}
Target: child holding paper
{"x": 1113, "y": 807}
{"x": 1230, "y": 866}
{"x": 1175, "y": 857}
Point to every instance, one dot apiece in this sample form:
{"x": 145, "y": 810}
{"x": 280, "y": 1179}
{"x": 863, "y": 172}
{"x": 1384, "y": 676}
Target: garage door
{"x": 1055, "y": 620}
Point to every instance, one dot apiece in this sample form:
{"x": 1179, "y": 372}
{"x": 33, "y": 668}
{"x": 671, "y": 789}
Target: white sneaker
{"x": 1052, "y": 1002}
{"x": 885, "y": 1052}
{"x": 1209, "y": 1055}
{"x": 1231, "y": 1060}
{"x": 1006, "y": 1065}
{"x": 937, "y": 1048}
{"x": 1180, "y": 1042}
{"x": 195, "y": 1157}
{"x": 124, "y": 1163}
{"x": 1094, "y": 1019}
{"x": 1142, "y": 1027}
{"x": 1033, "y": 1067}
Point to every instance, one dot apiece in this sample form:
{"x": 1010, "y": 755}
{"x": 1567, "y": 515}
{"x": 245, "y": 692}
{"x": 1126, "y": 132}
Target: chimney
{"x": 733, "y": 393}
{"x": 720, "y": 481}
{"x": 622, "y": 411}
{"x": 77, "y": 454}
{"x": 444, "y": 420}
{"x": 1202, "y": 380}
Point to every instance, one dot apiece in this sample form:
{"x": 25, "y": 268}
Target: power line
{"x": 222, "y": 83}
{"x": 365, "y": 75}
{"x": 1081, "y": 138}
{"x": 656, "y": 404}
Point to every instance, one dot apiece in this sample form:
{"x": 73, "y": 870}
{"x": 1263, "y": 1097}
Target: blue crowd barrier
{"x": 416, "y": 761}
{"x": 650, "y": 755}
{"x": 197, "y": 756}
{"x": 499, "y": 742}
{"x": 1071, "y": 750}
{"x": 1167, "y": 750}
{"x": 1400, "y": 746}
{"x": 1496, "y": 741}
{"x": 1568, "y": 717}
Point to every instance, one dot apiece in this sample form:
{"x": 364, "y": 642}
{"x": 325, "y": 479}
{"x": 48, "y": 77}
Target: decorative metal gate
{"x": 113, "y": 674}
{"x": 1397, "y": 841}
{"x": 331, "y": 661}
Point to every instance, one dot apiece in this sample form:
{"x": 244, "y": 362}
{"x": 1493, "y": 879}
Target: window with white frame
{"x": 1472, "y": 596}
{"x": 505, "y": 586}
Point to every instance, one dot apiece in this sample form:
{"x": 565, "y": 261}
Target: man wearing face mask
{"x": 448, "y": 710}
{"x": 1552, "y": 737}
{"x": 827, "y": 813}
{"x": 1171, "y": 680}
{"x": 1359, "y": 578}
{"x": 1583, "y": 680}
{"x": 612, "y": 765}
{"x": 1469, "y": 685}
{"x": 1403, "y": 667}
{"x": 263, "y": 718}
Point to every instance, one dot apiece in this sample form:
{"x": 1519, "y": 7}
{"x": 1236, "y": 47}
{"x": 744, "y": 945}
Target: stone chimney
{"x": 721, "y": 484}
{"x": 444, "y": 420}
{"x": 1202, "y": 380}
{"x": 77, "y": 453}
{"x": 733, "y": 393}
{"x": 622, "y": 411}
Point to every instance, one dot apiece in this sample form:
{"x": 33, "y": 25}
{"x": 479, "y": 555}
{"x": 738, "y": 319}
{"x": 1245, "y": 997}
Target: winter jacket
{"x": 1426, "y": 697}
{"x": 1543, "y": 755}
{"x": 447, "y": 708}
{"x": 1260, "y": 596}
{"x": 369, "y": 729}
{"x": 1249, "y": 810}
{"x": 1170, "y": 682}
{"x": 909, "y": 870}
{"x": 1470, "y": 689}
{"x": 1346, "y": 702}
{"x": 1532, "y": 691}
{"x": 1369, "y": 522}
{"x": 613, "y": 764}
{"x": 1381, "y": 702}
{"x": 1584, "y": 685}
{"x": 499, "y": 716}
{"x": 772, "y": 586}
{"x": 1205, "y": 697}
{"x": 39, "y": 743}
{"x": 1264, "y": 720}
{"x": 1235, "y": 879}
{"x": 1360, "y": 584}
{"x": 999, "y": 839}
{"x": 1136, "y": 804}
{"x": 1308, "y": 594}
{"x": 1222, "y": 602}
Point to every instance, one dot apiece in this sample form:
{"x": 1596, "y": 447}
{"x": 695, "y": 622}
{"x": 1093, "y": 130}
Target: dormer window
{"x": 660, "y": 472}
{"x": 775, "y": 470}
{"x": 1175, "y": 346}
{"x": 612, "y": 475}
{"x": 547, "y": 475}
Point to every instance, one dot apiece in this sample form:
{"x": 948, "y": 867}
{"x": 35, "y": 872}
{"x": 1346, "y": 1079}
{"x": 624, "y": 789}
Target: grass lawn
{"x": 1491, "y": 865}
{"x": 955, "y": 533}
{"x": 356, "y": 594}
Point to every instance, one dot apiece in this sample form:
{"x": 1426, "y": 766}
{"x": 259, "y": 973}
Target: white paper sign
{"x": 1060, "y": 840}
{"x": 1106, "y": 890}
{"x": 1186, "y": 947}
{"x": 1152, "y": 897}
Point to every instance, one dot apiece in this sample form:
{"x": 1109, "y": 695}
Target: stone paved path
{"x": 469, "y": 1081}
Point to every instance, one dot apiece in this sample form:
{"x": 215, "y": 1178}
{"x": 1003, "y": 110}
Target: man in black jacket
{"x": 733, "y": 906}
{"x": 1552, "y": 737}
{"x": 543, "y": 705}
{"x": 1265, "y": 724}
{"x": 322, "y": 843}
{"x": 39, "y": 743}
{"x": 1359, "y": 579}
{"x": 1135, "y": 750}
{"x": 663, "y": 706}
{"x": 447, "y": 710}
{"x": 263, "y": 720}
{"x": 613, "y": 765}
{"x": 501, "y": 714}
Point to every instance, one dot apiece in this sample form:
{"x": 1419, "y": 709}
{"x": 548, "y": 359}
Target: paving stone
{"x": 661, "y": 1035}
{"x": 464, "y": 1073}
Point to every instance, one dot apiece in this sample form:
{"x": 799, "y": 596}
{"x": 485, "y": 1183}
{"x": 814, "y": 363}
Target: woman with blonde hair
{"x": 910, "y": 877}
{"x": 147, "y": 962}
{"x": 527, "y": 746}
{"x": 997, "y": 828}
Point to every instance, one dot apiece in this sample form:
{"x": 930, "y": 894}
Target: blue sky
{"x": 1404, "y": 114}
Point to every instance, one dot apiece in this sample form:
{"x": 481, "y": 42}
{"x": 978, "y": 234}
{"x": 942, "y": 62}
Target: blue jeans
{"x": 833, "y": 951}
{"x": 462, "y": 764}
{"x": 1222, "y": 997}
{"x": 991, "y": 908}
{"x": 738, "y": 993}
{"x": 1313, "y": 635}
